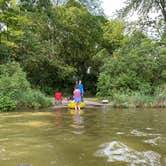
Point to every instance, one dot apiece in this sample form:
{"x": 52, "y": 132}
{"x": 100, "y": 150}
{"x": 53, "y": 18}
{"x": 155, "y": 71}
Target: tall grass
{"x": 160, "y": 96}
{"x": 137, "y": 99}
{"x": 33, "y": 99}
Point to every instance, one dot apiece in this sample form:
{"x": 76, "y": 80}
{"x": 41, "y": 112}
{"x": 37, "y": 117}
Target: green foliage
{"x": 112, "y": 35}
{"x": 160, "y": 94}
{"x": 161, "y": 61}
{"x": 32, "y": 5}
{"x": 33, "y": 99}
{"x": 93, "y": 6}
{"x": 73, "y": 3}
{"x": 12, "y": 80}
{"x": 134, "y": 68}
{"x": 15, "y": 90}
{"x": 53, "y": 43}
{"x": 135, "y": 99}
{"x": 60, "y": 46}
{"x": 7, "y": 103}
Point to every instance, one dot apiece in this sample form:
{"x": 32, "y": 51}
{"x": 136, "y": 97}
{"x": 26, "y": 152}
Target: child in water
{"x": 77, "y": 97}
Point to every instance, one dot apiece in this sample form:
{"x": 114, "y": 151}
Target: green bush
{"x": 16, "y": 91}
{"x": 7, "y": 104}
{"x": 33, "y": 99}
{"x": 13, "y": 80}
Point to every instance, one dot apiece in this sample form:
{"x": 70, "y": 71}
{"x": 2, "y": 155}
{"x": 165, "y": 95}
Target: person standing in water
{"x": 81, "y": 88}
{"x": 77, "y": 97}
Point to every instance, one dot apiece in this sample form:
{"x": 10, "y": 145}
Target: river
{"x": 93, "y": 137}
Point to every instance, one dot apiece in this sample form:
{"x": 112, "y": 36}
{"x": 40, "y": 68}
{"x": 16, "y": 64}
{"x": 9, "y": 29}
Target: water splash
{"x": 155, "y": 141}
{"x": 142, "y": 134}
{"x": 120, "y": 133}
{"x": 119, "y": 152}
{"x": 2, "y": 149}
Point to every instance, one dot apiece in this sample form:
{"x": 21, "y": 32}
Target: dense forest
{"x": 45, "y": 45}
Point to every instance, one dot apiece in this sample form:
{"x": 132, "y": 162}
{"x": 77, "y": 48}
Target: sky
{"x": 110, "y": 6}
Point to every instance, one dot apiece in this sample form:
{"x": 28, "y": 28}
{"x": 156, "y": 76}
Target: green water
{"x": 95, "y": 137}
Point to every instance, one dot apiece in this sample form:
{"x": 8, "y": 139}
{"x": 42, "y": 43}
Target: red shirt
{"x": 58, "y": 96}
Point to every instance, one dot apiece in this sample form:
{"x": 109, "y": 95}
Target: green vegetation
{"x": 15, "y": 90}
{"x": 132, "y": 75}
{"x": 43, "y": 44}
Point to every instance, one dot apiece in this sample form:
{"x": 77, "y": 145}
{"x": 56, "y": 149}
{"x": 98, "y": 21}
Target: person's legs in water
{"x": 75, "y": 106}
{"x": 78, "y": 106}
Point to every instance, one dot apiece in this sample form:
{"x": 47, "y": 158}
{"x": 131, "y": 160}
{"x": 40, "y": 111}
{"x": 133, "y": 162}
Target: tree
{"x": 58, "y": 43}
{"x": 94, "y": 6}
{"x": 145, "y": 7}
{"x": 11, "y": 21}
{"x": 32, "y": 5}
{"x": 112, "y": 35}
{"x": 154, "y": 26}
{"x": 111, "y": 40}
{"x": 135, "y": 67}
{"x": 80, "y": 34}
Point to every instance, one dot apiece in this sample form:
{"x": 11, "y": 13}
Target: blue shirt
{"x": 81, "y": 87}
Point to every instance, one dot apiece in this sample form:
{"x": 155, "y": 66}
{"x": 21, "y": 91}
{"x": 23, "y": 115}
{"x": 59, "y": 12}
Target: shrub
{"x": 7, "y": 104}
{"x": 33, "y": 99}
{"x": 16, "y": 91}
{"x": 13, "y": 80}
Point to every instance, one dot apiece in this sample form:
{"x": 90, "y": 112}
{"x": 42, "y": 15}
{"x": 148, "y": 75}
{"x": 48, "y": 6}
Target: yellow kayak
{"x": 72, "y": 105}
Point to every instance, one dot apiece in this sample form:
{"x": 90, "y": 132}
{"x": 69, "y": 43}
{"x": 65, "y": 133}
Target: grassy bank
{"x": 137, "y": 100}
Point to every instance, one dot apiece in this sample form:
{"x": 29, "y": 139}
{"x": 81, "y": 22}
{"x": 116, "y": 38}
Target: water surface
{"x": 94, "y": 137}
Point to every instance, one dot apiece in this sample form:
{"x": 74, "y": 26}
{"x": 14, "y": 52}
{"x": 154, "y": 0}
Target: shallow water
{"x": 94, "y": 137}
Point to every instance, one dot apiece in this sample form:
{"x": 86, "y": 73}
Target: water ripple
{"x": 143, "y": 134}
{"x": 117, "y": 151}
{"x": 155, "y": 141}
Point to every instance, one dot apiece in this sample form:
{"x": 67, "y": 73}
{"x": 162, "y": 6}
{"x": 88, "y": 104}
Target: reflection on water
{"x": 77, "y": 122}
{"x": 58, "y": 117}
{"x": 33, "y": 123}
{"x": 92, "y": 137}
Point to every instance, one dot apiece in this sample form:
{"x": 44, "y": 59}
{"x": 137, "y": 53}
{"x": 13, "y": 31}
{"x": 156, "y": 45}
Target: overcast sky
{"x": 110, "y": 6}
